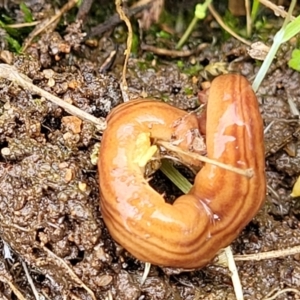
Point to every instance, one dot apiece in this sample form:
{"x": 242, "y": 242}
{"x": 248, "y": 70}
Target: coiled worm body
{"x": 189, "y": 232}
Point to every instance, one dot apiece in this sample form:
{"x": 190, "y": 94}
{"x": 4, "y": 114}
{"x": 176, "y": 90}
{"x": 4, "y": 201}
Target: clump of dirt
{"x": 49, "y": 190}
{"x": 49, "y": 197}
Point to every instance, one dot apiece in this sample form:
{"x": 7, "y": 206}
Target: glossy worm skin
{"x": 189, "y": 233}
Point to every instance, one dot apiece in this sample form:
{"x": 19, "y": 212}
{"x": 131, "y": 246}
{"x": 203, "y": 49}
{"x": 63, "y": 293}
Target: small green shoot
{"x": 79, "y": 2}
{"x": 291, "y": 29}
{"x": 200, "y": 10}
{"x": 175, "y": 176}
{"x": 188, "y": 91}
{"x": 164, "y": 35}
{"x": 188, "y": 69}
{"x": 287, "y": 31}
{"x": 13, "y": 44}
{"x": 254, "y": 10}
{"x": 27, "y": 13}
{"x": 7, "y": 19}
{"x": 10, "y": 31}
{"x": 15, "y": 36}
{"x": 200, "y": 14}
{"x": 135, "y": 44}
{"x": 180, "y": 64}
{"x": 10, "y": 37}
{"x": 294, "y": 62}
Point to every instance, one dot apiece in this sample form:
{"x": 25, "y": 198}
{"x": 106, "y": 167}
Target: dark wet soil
{"x": 49, "y": 197}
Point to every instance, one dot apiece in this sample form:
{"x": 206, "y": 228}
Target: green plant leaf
{"x": 291, "y": 29}
{"x": 175, "y": 176}
{"x": 294, "y": 62}
{"x": 27, "y": 13}
{"x": 14, "y": 44}
{"x": 10, "y": 31}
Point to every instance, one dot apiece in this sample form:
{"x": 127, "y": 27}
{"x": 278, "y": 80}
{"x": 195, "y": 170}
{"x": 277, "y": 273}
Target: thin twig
{"x": 59, "y": 261}
{"x": 225, "y": 27}
{"x": 12, "y": 287}
{"x": 248, "y": 17}
{"x": 234, "y": 274}
{"x": 277, "y": 41}
{"x": 247, "y": 173}
{"x": 268, "y": 255}
{"x": 146, "y": 272}
{"x": 12, "y": 74}
{"x": 109, "y": 296}
{"x": 173, "y": 53}
{"x": 280, "y": 292}
{"x": 30, "y": 281}
{"x": 124, "y": 86}
{"x": 10, "y": 225}
{"x": 46, "y": 23}
{"x": 115, "y": 19}
{"x": 277, "y": 9}
{"x": 22, "y": 25}
{"x": 272, "y": 191}
{"x": 83, "y": 10}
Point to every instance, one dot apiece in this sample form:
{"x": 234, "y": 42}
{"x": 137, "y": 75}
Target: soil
{"x": 50, "y": 221}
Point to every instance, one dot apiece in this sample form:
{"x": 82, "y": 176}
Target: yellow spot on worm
{"x": 144, "y": 150}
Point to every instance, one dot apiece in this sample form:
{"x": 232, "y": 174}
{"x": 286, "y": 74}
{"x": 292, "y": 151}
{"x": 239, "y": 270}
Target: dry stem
{"x": 60, "y": 262}
{"x": 268, "y": 255}
{"x": 12, "y": 74}
{"x": 30, "y": 281}
{"x": 124, "y": 86}
{"x": 44, "y": 25}
{"x": 247, "y": 173}
{"x": 12, "y": 287}
{"x": 225, "y": 27}
{"x": 277, "y": 9}
{"x": 234, "y": 274}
